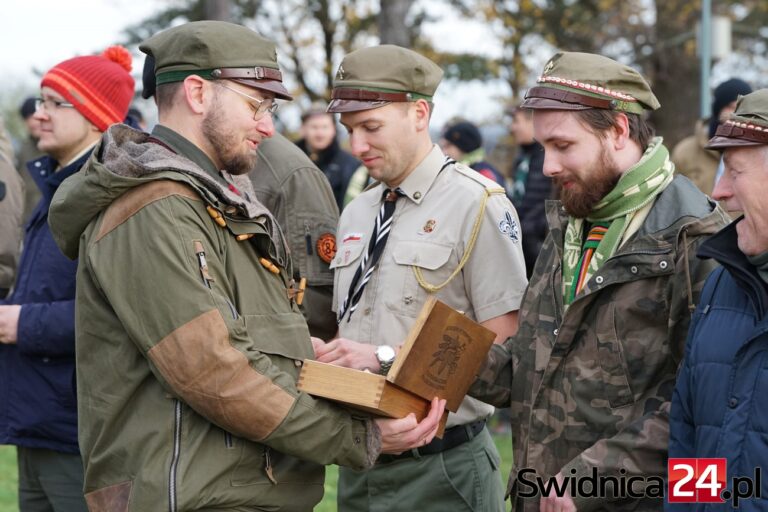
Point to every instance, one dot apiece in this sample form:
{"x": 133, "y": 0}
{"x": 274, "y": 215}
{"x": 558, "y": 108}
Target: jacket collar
{"x": 47, "y": 178}
{"x": 723, "y": 247}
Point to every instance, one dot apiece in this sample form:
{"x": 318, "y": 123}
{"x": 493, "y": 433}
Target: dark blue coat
{"x": 37, "y": 375}
{"x": 720, "y": 405}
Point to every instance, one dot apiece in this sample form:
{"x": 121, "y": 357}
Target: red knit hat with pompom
{"x": 99, "y": 86}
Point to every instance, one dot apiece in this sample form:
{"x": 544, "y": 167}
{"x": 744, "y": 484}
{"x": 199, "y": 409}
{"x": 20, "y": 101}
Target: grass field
{"x": 8, "y": 480}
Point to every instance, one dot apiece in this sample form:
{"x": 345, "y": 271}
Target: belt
{"x": 453, "y": 437}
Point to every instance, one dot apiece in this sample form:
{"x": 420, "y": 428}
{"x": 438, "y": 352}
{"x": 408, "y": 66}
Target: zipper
{"x": 200, "y": 253}
{"x": 268, "y": 465}
{"x": 176, "y": 454}
{"x": 206, "y": 276}
{"x": 308, "y": 238}
{"x": 231, "y": 308}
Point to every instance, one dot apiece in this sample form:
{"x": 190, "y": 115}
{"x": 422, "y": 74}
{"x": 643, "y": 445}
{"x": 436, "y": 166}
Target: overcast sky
{"x": 37, "y": 34}
{"x": 40, "y": 33}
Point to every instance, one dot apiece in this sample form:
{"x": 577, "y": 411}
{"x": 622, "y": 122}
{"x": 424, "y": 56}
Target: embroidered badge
{"x": 326, "y": 247}
{"x": 429, "y": 226}
{"x": 548, "y": 67}
{"x": 508, "y": 226}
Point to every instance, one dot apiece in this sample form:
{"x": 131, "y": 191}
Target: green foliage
{"x": 9, "y": 481}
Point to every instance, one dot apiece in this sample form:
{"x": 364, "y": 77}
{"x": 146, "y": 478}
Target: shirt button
{"x": 556, "y": 331}
{"x": 663, "y": 265}
{"x": 38, "y": 164}
{"x": 297, "y": 363}
{"x": 417, "y": 195}
{"x": 733, "y": 402}
{"x": 357, "y": 439}
{"x": 599, "y": 279}
{"x": 367, "y": 311}
{"x": 633, "y": 269}
{"x": 46, "y": 359}
{"x": 408, "y": 300}
{"x": 230, "y": 210}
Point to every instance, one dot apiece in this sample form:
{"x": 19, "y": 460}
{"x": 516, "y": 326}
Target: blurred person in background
{"x": 320, "y": 142}
{"x": 463, "y": 142}
{"x": 529, "y": 187}
{"x": 11, "y": 211}
{"x": 27, "y": 152}
{"x": 691, "y": 156}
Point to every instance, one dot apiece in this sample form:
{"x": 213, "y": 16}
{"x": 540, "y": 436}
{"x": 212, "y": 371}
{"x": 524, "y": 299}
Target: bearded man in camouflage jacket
{"x": 590, "y": 373}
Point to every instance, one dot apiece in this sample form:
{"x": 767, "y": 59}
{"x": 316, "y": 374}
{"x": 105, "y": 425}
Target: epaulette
{"x": 478, "y": 178}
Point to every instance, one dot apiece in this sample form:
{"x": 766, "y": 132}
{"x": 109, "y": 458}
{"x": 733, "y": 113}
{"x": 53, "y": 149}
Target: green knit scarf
{"x": 636, "y": 188}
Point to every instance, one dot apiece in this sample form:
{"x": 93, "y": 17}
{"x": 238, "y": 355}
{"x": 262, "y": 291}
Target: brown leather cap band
{"x": 563, "y": 96}
{"x": 255, "y": 73}
{"x": 347, "y": 93}
{"x": 733, "y": 131}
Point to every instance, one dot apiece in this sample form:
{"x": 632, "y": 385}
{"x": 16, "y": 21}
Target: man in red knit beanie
{"x": 80, "y": 98}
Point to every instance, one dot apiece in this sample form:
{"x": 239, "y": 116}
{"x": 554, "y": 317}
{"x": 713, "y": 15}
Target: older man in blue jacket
{"x": 720, "y": 405}
{"x": 80, "y": 98}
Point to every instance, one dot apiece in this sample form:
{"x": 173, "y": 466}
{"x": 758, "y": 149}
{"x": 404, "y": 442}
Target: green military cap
{"x": 376, "y": 76}
{"x": 216, "y": 50}
{"x": 747, "y": 126}
{"x": 580, "y": 81}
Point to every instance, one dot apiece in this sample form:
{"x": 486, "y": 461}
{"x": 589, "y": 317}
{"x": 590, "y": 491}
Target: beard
{"x": 225, "y": 143}
{"x": 585, "y": 192}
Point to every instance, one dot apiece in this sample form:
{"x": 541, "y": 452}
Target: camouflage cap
{"x": 747, "y": 126}
{"x": 376, "y": 76}
{"x": 216, "y": 50}
{"x": 580, "y": 81}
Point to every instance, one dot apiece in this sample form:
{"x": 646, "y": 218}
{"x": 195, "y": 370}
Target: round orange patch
{"x": 326, "y": 247}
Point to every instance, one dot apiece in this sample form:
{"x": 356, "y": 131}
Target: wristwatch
{"x": 386, "y": 356}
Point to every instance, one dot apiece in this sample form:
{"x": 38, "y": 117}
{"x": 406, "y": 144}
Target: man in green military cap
{"x": 590, "y": 373}
{"x": 189, "y": 336}
{"x": 427, "y": 228}
{"x": 718, "y": 409}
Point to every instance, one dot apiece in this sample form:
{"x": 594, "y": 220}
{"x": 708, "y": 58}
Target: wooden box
{"x": 440, "y": 357}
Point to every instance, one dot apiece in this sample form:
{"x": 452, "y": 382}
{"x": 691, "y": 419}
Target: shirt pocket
{"x": 431, "y": 259}
{"x": 344, "y": 265}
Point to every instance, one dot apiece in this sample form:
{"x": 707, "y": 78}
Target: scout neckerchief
{"x": 473, "y": 156}
{"x": 637, "y": 187}
{"x": 370, "y": 258}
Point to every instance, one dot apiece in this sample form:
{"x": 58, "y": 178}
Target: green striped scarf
{"x": 636, "y": 188}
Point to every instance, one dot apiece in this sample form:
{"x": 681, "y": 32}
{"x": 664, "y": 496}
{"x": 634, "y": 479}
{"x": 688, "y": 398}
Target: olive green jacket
{"x": 188, "y": 346}
{"x": 299, "y": 196}
{"x": 591, "y": 387}
{"x": 11, "y": 210}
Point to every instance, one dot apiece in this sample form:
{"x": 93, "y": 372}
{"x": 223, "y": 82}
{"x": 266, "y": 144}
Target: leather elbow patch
{"x": 199, "y": 363}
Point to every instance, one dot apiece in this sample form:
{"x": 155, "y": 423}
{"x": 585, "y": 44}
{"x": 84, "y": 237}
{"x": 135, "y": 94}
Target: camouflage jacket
{"x": 591, "y": 387}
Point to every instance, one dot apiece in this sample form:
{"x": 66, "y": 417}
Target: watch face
{"x": 385, "y": 353}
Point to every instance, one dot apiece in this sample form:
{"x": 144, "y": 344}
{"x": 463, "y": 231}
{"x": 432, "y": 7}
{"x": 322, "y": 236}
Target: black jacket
{"x": 530, "y": 209}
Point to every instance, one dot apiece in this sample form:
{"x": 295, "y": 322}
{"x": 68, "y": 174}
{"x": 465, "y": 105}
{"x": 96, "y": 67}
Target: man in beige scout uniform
{"x": 189, "y": 338}
{"x": 429, "y": 227}
{"x": 590, "y": 373}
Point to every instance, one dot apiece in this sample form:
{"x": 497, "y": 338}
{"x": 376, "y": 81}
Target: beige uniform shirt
{"x": 431, "y": 228}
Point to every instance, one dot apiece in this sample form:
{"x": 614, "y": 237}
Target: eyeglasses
{"x": 50, "y": 104}
{"x": 261, "y": 108}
